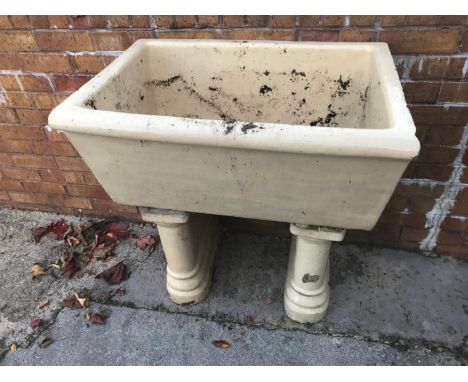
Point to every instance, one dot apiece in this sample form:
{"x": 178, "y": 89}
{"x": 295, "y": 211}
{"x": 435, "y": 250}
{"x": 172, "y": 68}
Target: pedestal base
{"x": 189, "y": 242}
{"x": 306, "y": 292}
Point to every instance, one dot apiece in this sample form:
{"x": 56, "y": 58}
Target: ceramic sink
{"x": 314, "y": 134}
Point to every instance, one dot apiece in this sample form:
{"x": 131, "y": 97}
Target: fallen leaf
{"x": 115, "y": 274}
{"x": 147, "y": 241}
{"x": 37, "y": 270}
{"x": 37, "y": 323}
{"x": 72, "y": 303}
{"x": 71, "y": 266}
{"x": 98, "y": 318}
{"x": 42, "y": 304}
{"x": 45, "y": 342}
{"x": 221, "y": 344}
{"x": 248, "y": 321}
{"x": 82, "y": 300}
{"x": 13, "y": 347}
{"x": 103, "y": 250}
{"x": 267, "y": 301}
{"x": 117, "y": 230}
{"x": 56, "y": 230}
{"x": 90, "y": 232}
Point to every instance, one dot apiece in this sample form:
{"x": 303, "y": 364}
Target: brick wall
{"x": 45, "y": 58}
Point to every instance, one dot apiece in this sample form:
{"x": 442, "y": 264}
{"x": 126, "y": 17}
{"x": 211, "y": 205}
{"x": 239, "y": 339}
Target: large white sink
{"x": 314, "y": 134}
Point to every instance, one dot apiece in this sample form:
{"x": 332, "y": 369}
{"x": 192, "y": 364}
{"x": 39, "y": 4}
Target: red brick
{"x": 19, "y": 100}
{"x": 460, "y": 208}
{"x": 111, "y": 41}
{"x": 309, "y": 21}
{"x": 14, "y": 146}
{"x": 422, "y": 20}
{"x": 68, "y": 41}
{"x": 256, "y": 21}
{"x": 35, "y": 83}
{"x": 324, "y": 35}
{"x": 461, "y": 252}
{"x": 191, "y": 34}
{"x": 4, "y": 196}
{"x": 50, "y": 200}
{"x": 44, "y": 187}
{"x": 64, "y": 83}
{"x": 350, "y": 35}
{"x": 464, "y": 44}
{"x": 333, "y": 21}
{"x": 31, "y": 117}
{"x": 8, "y": 61}
{"x": 420, "y": 204}
{"x": 119, "y": 22}
{"x": 20, "y": 173}
{"x": 53, "y": 148}
{"x": 9, "y": 82}
{"x": 5, "y": 22}
{"x": 392, "y": 20}
{"x": 55, "y": 135}
{"x": 396, "y": 203}
{"x": 34, "y": 161}
{"x": 44, "y": 101}
{"x": 164, "y": 22}
{"x": 283, "y": 21}
{"x": 39, "y": 22}
{"x": 449, "y": 238}
{"x": 430, "y": 171}
{"x": 452, "y": 20}
{"x": 80, "y": 22}
{"x": 137, "y": 35}
{"x": 19, "y": 22}
{"x": 86, "y": 190}
{"x": 17, "y": 41}
{"x": 48, "y": 63}
{"x": 19, "y": 132}
{"x": 76, "y": 202}
{"x": 443, "y": 135}
{"x": 454, "y": 92}
{"x": 429, "y": 68}
{"x": 74, "y": 164}
{"x": 421, "y": 41}
{"x": 90, "y": 178}
{"x": 208, "y": 21}
{"x": 140, "y": 21}
{"x": 362, "y": 21}
{"x": 113, "y": 208}
{"x": 439, "y": 115}
{"x": 58, "y": 22}
{"x": 8, "y": 116}
{"x": 421, "y": 92}
{"x": 233, "y": 21}
{"x": 10, "y": 185}
{"x": 386, "y": 233}
{"x": 185, "y": 21}
{"x": 456, "y": 69}
{"x": 453, "y": 224}
{"x": 49, "y": 175}
{"x": 5, "y": 159}
{"x": 413, "y": 234}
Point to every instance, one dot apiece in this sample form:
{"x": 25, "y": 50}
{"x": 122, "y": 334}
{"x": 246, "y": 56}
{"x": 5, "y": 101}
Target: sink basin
{"x": 314, "y": 134}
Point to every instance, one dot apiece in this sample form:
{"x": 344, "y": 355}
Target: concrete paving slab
{"x": 383, "y": 296}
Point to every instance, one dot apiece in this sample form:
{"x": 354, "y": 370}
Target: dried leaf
{"x": 72, "y": 303}
{"x": 37, "y": 270}
{"x": 98, "y": 318}
{"x": 267, "y": 301}
{"x": 221, "y": 344}
{"x": 95, "y": 229}
{"x": 115, "y": 274}
{"x": 42, "y": 304}
{"x": 147, "y": 241}
{"x": 13, "y": 347}
{"x": 103, "y": 250}
{"x": 248, "y": 321}
{"x": 56, "y": 230}
{"x": 37, "y": 323}
{"x": 71, "y": 266}
{"x": 82, "y": 300}
{"x": 45, "y": 342}
{"x": 117, "y": 230}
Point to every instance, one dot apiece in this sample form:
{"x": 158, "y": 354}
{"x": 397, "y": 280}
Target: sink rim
{"x": 398, "y": 141}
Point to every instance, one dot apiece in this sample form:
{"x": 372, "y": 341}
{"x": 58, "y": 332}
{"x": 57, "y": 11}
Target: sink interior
{"x": 296, "y": 85}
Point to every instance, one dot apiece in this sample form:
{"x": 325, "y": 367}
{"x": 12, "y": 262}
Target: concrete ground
{"x": 387, "y": 307}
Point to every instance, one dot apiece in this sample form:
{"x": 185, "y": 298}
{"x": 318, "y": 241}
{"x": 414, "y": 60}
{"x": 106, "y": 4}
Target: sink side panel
{"x": 346, "y": 192}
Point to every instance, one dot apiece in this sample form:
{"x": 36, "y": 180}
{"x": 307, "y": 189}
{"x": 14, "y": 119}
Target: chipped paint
{"x": 443, "y": 205}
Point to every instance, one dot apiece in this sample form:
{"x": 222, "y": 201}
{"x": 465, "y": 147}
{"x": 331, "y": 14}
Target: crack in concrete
{"x": 460, "y": 352}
